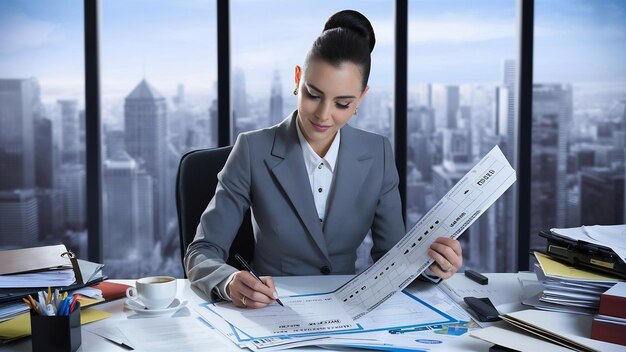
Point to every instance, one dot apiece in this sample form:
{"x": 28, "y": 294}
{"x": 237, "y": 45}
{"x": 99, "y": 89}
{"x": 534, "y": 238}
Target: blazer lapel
{"x": 288, "y": 167}
{"x": 352, "y": 168}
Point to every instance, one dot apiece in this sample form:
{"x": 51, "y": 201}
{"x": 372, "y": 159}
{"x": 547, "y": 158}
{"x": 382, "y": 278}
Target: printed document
{"x": 336, "y": 311}
{"x": 301, "y": 315}
{"x": 452, "y": 215}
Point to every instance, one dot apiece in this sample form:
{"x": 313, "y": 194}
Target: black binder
{"x": 41, "y": 259}
{"x": 584, "y": 255}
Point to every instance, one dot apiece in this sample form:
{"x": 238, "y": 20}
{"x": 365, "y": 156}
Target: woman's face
{"x": 328, "y": 97}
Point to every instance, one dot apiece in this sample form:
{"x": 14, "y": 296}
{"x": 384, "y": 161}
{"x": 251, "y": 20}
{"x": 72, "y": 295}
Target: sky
{"x": 171, "y": 42}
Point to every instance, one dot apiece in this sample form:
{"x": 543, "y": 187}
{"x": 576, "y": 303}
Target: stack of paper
{"x": 12, "y": 310}
{"x": 404, "y": 312}
{"x": 568, "y": 289}
{"x": 48, "y": 278}
{"x": 545, "y": 331}
{"x": 612, "y": 236}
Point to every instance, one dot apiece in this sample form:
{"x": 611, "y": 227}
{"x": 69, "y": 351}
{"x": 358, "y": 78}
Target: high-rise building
{"x": 18, "y": 218}
{"x": 552, "y": 113}
{"x": 212, "y": 125}
{"x": 70, "y": 145}
{"x": 239, "y": 100}
{"x": 45, "y": 154}
{"x": 457, "y": 146}
{"x": 445, "y": 100}
{"x": 145, "y": 121}
{"x": 425, "y": 95}
{"x": 602, "y": 196}
{"x": 19, "y": 105}
{"x": 127, "y": 225}
{"x": 419, "y": 153}
{"x": 276, "y": 100}
{"x": 71, "y": 181}
{"x": 115, "y": 142}
{"x": 421, "y": 119}
{"x": 505, "y": 127}
{"x": 49, "y": 213}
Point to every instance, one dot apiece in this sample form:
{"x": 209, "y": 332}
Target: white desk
{"x": 503, "y": 289}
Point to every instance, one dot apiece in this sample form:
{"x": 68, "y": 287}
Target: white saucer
{"x": 138, "y": 307}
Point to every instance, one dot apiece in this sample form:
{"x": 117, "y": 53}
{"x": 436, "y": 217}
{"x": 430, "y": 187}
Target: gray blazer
{"x": 266, "y": 171}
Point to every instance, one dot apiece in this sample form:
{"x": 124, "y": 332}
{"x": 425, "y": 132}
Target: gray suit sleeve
{"x": 388, "y": 226}
{"x": 205, "y": 259}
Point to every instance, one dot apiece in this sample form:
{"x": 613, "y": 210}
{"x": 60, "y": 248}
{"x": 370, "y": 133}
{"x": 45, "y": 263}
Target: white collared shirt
{"x": 320, "y": 170}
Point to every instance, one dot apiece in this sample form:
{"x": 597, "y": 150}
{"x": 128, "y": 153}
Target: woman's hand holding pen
{"x": 448, "y": 257}
{"x": 246, "y": 291}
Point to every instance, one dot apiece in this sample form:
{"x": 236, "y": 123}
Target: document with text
{"x": 452, "y": 215}
{"x": 337, "y": 311}
{"x": 301, "y": 315}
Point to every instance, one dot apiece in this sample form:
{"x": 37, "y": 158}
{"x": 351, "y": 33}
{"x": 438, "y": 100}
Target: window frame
{"x": 525, "y": 14}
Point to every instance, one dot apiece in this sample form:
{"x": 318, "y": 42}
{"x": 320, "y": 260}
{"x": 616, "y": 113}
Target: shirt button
{"x": 319, "y": 190}
{"x": 320, "y": 166}
{"x": 321, "y": 220}
{"x": 325, "y": 270}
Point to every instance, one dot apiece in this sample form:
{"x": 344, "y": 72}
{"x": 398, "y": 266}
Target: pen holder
{"x": 56, "y": 333}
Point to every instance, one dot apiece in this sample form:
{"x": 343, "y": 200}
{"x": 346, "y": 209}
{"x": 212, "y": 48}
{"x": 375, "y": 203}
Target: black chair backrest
{"x": 195, "y": 187}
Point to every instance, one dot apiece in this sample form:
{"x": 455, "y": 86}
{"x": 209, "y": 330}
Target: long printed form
{"x": 452, "y": 215}
{"x": 336, "y": 311}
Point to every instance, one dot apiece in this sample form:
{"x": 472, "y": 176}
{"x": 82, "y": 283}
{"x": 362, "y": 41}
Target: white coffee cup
{"x": 155, "y": 292}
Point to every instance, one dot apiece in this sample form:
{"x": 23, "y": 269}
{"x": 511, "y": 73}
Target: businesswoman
{"x": 315, "y": 185}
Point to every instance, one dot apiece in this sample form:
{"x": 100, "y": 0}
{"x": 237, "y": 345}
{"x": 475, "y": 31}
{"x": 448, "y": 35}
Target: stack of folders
{"x": 567, "y": 289}
{"x": 26, "y": 271}
{"x": 610, "y": 324}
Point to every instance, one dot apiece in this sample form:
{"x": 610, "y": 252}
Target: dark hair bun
{"x": 354, "y": 21}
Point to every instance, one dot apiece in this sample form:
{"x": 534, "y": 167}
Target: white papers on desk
{"x": 168, "y": 334}
{"x": 612, "y": 236}
{"x": 452, "y": 215}
{"x": 301, "y": 315}
{"x": 52, "y": 278}
{"x": 401, "y": 311}
{"x": 533, "y": 296}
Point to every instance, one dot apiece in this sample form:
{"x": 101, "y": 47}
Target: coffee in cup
{"x": 155, "y": 292}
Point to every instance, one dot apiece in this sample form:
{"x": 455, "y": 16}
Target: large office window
{"x": 265, "y": 51}
{"x": 42, "y": 126}
{"x": 158, "y": 71}
{"x": 461, "y": 103}
{"x": 579, "y": 115}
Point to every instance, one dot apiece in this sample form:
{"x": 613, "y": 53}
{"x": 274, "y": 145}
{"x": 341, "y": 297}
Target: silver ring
{"x": 244, "y": 300}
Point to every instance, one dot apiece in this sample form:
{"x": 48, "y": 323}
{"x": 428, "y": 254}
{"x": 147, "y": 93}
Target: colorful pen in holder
{"x": 58, "y": 328}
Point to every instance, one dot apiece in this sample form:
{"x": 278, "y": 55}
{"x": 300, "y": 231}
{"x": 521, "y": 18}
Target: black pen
{"x": 247, "y": 266}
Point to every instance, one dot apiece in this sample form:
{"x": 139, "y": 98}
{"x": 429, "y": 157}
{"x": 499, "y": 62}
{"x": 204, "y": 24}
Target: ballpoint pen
{"x": 247, "y": 267}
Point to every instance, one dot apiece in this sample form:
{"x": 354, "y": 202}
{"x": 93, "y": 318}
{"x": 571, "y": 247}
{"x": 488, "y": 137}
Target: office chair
{"x": 195, "y": 186}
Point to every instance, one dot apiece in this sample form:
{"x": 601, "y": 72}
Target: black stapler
{"x": 482, "y": 309}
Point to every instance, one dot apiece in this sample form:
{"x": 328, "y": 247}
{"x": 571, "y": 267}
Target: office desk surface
{"x": 503, "y": 289}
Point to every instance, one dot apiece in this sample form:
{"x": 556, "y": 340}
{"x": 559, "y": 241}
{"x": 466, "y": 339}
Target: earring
{"x": 356, "y": 110}
{"x": 295, "y": 91}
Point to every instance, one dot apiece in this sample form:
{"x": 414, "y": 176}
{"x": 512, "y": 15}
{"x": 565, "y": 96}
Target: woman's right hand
{"x": 247, "y": 292}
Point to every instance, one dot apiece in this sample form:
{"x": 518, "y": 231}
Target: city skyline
{"x": 438, "y": 36}
{"x": 461, "y": 102}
